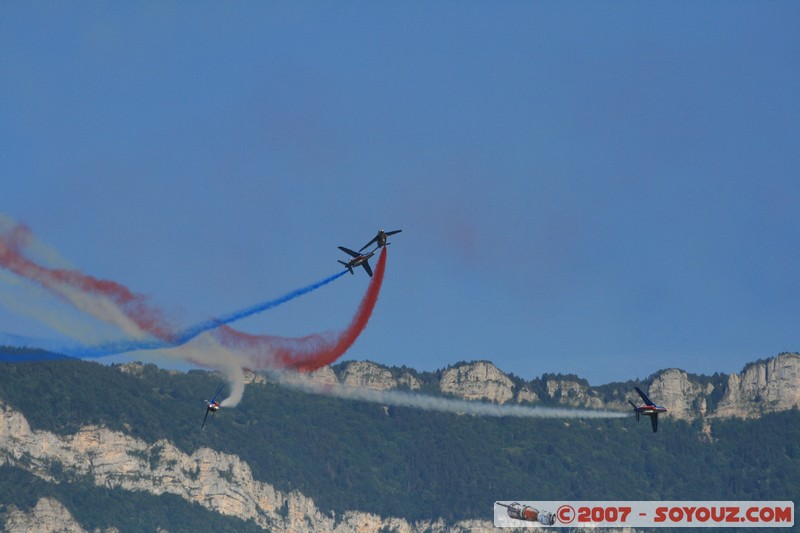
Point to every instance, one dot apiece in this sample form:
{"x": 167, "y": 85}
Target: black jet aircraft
{"x": 380, "y": 238}
{"x": 358, "y": 259}
{"x": 648, "y": 409}
{"x": 212, "y": 406}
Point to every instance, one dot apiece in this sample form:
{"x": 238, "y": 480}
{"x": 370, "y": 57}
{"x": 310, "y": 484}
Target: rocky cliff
{"x": 219, "y": 482}
{"x": 48, "y": 516}
{"x": 224, "y": 483}
{"x": 762, "y": 387}
{"x": 477, "y": 381}
{"x": 686, "y": 399}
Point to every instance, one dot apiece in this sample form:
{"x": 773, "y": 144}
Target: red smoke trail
{"x": 310, "y": 352}
{"x": 257, "y": 351}
{"x": 133, "y": 305}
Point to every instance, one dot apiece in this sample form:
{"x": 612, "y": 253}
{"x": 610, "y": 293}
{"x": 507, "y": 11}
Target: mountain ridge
{"x": 763, "y": 386}
{"x": 114, "y": 458}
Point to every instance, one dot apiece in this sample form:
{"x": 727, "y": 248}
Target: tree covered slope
{"x": 350, "y": 455}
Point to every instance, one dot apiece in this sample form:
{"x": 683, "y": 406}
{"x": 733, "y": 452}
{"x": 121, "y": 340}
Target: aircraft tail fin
{"x": 635, "y": 409}
{"x": 348, "y": 267}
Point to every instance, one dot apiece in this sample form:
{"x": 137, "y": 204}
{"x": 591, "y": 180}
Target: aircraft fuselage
{"x": 380, "y": 239}
{"x": 358, "y": 259}
{"x": 651, "y": 410}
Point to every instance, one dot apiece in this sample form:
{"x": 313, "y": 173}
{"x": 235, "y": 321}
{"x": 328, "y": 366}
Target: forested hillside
{"x": 97, "y": 507}
{"x": 349, "y": 455}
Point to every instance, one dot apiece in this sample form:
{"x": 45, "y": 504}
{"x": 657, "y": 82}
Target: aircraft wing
{"x": 654, "y": 421}
{"x": 366, "y": 266}
{"x": 644, "y": 397}
{"x": 370, "y": 242}
{"x": 349, "y": 252}
{"x": 393, "y": 232}
{"x": 204, "y": 419}
{"x": 214, "y": 399}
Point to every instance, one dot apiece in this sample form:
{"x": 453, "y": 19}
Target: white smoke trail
{"x": 101, "y": 308}
{"x": 433, "y": 403}
{"x": 204, "y": 350}
{"x": 23, "y": 297}
{"x": 26, "y": 297}
{"x": 37, "y": 250}
{"x": 96, "y": 305}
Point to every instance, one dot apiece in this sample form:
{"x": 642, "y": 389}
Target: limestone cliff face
{"x": 472, "y": 381}
{"x": 766, "y": 386}
{"x": 409, "y": 381}
{"x": 368, "y": 375}
{"x": 252, "y": 377}
{"x": 763, "y": 387}
{"x": 477, "y": 381}
{"x": 525, "y": 394}
{"x": 224, "y": 483}
{"x": 573, "y": 394}
{"x": 686, "y": 400}
{"x": 48, "y": 516}
{"x": 321, "y": 376}
{"x": 219, "y": 482}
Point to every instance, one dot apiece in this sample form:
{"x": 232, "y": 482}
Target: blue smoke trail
{"x": 119, "y": 347}
{"x": 208, "y": 325}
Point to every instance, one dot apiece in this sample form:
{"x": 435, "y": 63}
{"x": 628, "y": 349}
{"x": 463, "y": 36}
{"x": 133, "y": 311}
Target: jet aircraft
{"x": 380, "y": 238}
{"x": 648, "y": 409}
{"x": 212, "y": 406}
{"x": 359, "y": 259}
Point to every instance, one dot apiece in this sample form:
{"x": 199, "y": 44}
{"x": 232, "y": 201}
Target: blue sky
{"x": 606, "y": 189}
